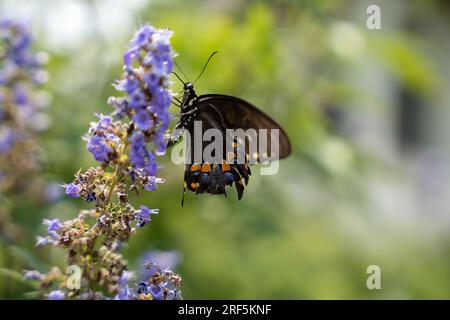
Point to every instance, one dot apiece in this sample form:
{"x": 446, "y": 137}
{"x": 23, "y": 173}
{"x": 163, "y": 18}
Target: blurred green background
{"x": 367, "y": 112}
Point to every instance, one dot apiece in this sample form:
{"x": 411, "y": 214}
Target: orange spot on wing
{"x": 206, "y": 167}
{"x": 194, "y": 185}
{"x": 225, "y": 166}
{"x": 195, "y": 167}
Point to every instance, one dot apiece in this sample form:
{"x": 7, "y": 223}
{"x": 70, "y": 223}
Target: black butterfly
{"x": 223, "y": 112}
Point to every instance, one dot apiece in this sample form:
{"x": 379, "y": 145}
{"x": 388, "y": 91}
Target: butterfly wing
{"x": 222, "y": 112}
{"x": 202, "y": 176}
{"x": 240, "y": 114}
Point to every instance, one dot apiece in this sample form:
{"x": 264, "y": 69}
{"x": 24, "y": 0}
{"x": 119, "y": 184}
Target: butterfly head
{"x": 189, "y": 96}
{"x": 188, "y": 86}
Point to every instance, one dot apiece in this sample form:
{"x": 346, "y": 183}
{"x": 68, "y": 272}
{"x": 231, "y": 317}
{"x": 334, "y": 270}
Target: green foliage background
{"x": 310, "y": 231}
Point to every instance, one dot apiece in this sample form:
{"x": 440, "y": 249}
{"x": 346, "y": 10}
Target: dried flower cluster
{"x": 125, "y": 145}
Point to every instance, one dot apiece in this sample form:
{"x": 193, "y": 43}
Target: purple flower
{"x": 143, "y": 36}
{"x": 125, "y": 294}
{"x": 40, "y": 77}
{"x": 125, "y": 278}
{"x": 143, "y": 216}
{"x": 20, "y": 117}
{"x": 128, "y": 58}
{"x": 17, "y": 37}
{"x": 142, "y": 287}
{"x": 8, "y": 138}
{"x": 151, "y": 167}
{"x": 164, "y": 286}
{"x": 20, "y": 95}
{"x": 56, "y": 295}
{"x": 32, "y": 275}
{"x": 130, "y": 85}
{"x": 72, "y": 190}
{"x": 137, "y": 100}
{"x": 116, "y": 246}
{"x": 139, "y": 153}
{"x": 99, "y": 149}
{"x": 152, "y": 183}
{"x": 162, "y": 259}
{"x": 104, "y": 121}
{"x": 53, "y": 226}
{"x": 142, "y": 120}
{"x": 161, "y": 101}
{"x": 120, "y": 105}
{"x": 43, "y": 241}
{"x": 52, "y": 192}
{"x": 152, "y": 80}
{"x": 160, "y": 143}
{"x": 156, "y": 292}
{"x": 174, "y": 295}
{"x": 91, "y": 197}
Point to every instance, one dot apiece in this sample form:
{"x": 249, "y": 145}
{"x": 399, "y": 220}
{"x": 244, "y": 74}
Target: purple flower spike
{"x": 126, "y": 144}
{"x": 148, "y": 64}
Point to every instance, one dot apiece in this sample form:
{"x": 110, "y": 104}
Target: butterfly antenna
{"x": 178, "y": 100}
{"x": 204, "y": 67}
{"x": 181, "y": 70}
{"x": 178, "y": 77}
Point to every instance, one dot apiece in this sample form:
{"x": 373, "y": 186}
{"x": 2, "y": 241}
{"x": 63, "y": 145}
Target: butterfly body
{"x": 221, "y": 112}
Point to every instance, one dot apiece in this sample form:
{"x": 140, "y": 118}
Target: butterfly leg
{"x": 174, "y": 139}
{"x": 184, "y": 191}
{"x": 238, "y": 184}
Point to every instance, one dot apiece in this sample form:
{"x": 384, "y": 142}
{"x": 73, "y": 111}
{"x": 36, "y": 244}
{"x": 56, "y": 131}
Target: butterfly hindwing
{"x": 213, "y": 177}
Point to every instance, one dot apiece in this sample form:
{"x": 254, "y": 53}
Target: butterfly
{"x": 224, "y": 113}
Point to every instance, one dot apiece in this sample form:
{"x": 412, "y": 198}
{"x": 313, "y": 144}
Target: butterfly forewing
{"x": 236, "y": 113}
